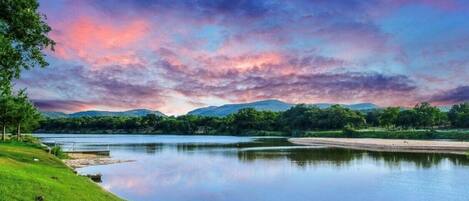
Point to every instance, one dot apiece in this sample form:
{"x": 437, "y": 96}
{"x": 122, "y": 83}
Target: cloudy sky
{"x": 174, "y": 56}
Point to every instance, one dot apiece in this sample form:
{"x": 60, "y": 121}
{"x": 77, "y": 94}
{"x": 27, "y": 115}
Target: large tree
{"x": 24, "y": 114}
{"x": 428, "y": 115}
{"x": 23, "y": 36}
{"x": 389, "y": 116}
{"x": 459, "y": 115}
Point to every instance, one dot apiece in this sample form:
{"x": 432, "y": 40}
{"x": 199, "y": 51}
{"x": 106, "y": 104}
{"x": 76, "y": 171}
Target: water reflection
{"x": 223, "y": 168}
{"x": 341, "y": 157}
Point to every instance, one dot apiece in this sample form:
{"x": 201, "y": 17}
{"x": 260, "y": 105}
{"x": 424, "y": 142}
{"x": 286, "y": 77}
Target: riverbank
{"x": 381, "y": 133}
{"x": 27, "y": 172}
{"x": 425, "y": 146}
{"x": 79, "y": 160}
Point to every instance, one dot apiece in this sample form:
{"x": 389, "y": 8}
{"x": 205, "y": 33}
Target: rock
{"x": 39, "y": 198}
{"x": 95, "y": 177}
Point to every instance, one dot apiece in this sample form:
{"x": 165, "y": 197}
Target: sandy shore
{"x": 79, "y": 160}
{"x": 426, "y": 146}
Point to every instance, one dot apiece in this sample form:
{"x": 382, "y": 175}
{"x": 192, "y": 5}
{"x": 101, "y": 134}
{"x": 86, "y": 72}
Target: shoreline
{"x": 390, "y": 145}
{"x": 48, "y": 177}
{"x": 80, "y": 160}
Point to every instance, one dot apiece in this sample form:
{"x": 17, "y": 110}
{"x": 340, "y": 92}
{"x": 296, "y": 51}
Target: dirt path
{"x": 455, "y": 147}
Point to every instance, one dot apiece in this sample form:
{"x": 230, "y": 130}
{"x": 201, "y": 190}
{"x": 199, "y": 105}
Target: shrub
{"x": 57, "y": 151}
{"x": 350, "y": 132}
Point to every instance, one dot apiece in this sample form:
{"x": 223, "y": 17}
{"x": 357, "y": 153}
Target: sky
{"x": 174, "y": 56}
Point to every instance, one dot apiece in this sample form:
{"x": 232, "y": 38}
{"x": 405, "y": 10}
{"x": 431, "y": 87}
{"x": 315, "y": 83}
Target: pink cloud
{"x": 99, "y": 42}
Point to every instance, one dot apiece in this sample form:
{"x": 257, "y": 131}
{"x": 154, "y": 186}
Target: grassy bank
{"x": 397, "y": 134}
{"x": 27, "y": 172}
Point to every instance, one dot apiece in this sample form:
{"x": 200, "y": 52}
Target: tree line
{"x": 248, "y": 121}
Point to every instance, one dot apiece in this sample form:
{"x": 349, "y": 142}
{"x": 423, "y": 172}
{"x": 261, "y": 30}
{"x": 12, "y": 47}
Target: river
{"x": 228, "y": 168}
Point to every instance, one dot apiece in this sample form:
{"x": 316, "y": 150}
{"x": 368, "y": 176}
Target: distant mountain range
{"x": 267, "y": 105}
{"x": 95, "y": 113}
{"x": 218, "y": 111}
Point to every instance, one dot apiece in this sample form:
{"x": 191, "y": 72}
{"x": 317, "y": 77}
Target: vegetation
{"x": 419, "y": 122}
{"x": 30, "y": 173}
{"x": 17, "y": 113}
{"x": 23, "y": 36}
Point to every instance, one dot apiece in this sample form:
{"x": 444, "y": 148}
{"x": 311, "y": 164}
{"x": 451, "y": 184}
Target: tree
{"x": 389, "y": 116}
{"x": 23, "y": 35}
{"x": 245, "y": 119}
{"x": 427, "y": 115}
{"x": 459, "y": 115}
{"x": 24, "y": 113}
{"x": 295, "y": 118}
{"x": 6, "y": 110}
{"x": 407, "y": 119}
{"x": 372, "y": 117}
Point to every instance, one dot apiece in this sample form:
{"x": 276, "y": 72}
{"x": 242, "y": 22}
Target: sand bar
{"x": 397, "y": 145}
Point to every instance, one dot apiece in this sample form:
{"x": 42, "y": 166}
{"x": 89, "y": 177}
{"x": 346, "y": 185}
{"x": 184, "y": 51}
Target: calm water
{"x": 206, "y": 168}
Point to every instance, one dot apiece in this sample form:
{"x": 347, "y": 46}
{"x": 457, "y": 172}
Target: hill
{"x": 96, "y": 113}
{"x": 267, "y": 105}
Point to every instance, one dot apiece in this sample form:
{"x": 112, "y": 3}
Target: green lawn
{"x": 22, "y": 178}
{"x": 394, "y": 134}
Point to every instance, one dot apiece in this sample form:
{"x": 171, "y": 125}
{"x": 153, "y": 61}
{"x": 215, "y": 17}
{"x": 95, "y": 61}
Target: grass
{"x": 24, "y": 178}
{"x": 394, "y": 134}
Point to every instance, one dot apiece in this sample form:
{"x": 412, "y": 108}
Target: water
{"x": 225, "y": 168}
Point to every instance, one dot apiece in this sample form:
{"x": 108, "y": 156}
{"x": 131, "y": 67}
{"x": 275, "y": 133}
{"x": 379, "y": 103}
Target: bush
{"x": 350, "y": 132}
{"x": 57, "y": 151}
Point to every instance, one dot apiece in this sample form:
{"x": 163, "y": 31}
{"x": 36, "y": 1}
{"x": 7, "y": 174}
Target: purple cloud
{"x": 452, "y": 96}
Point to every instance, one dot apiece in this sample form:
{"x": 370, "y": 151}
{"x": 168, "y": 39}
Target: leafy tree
{"x": 407, "y": 119}
{"x": 389, "y": 116}
{"x": 372, "y": 117}
{"x": 23, "y": 35}
{"x": 427, "y": 115}
{"x": 459, "y": 115}
{"x": 295, "y": 118}
{"x": 24, "y": 112}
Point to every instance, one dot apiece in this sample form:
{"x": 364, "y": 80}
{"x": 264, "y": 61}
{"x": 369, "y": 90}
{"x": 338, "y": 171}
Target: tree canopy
{"x": 23, "y": 37}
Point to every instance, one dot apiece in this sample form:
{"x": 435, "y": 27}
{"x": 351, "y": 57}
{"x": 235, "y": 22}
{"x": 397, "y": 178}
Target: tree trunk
{"x": 18, "y": 131}
{"x": 4, "y": 132}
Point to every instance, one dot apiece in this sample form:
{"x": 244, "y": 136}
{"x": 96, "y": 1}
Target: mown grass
{"x": 394, "y": 134}
{"x": 24, "y": 178}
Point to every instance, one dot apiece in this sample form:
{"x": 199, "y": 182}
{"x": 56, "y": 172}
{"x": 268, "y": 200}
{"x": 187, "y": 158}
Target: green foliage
{"x": 57, "y": 151}
{"x": 389, "y": 116}
{"x": 17, "y": 112}
{"x": 23, "y": 35}
{"x": 458, "y": 116}
{"x": 396, "y": 134}
{"x": 300, "y": 120}
{"x": 427, "y": 115}
{"x": 349, "y": 132}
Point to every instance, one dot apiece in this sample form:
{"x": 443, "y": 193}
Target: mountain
{"x": 96, "y": 113}
{"x": 268, "y": 105}
{"x": 54, "y": 115}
